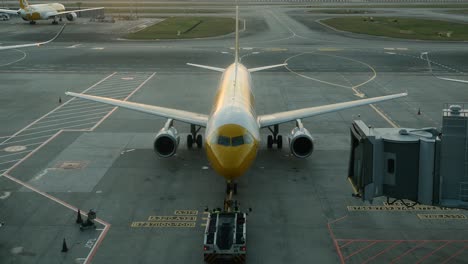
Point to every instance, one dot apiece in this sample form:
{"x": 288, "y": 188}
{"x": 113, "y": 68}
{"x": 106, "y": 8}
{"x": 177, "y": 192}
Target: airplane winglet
{"x": 206, "y": 67}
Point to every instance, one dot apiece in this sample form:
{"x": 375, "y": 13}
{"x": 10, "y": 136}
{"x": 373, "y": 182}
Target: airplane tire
{"x": 199, "y": 141}
{"x": 189, "y": 141}
{"x": 279, "y": 142}
{"x": 269, "y": 141}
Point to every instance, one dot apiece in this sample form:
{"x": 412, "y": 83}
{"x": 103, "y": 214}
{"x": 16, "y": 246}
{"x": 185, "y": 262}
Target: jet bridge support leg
{"x": 275, "y": 138}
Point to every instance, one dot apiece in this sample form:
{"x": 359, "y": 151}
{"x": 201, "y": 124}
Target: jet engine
{"x": 167, "y": 140}
{"x": 71, "y": 16}
{"x": 301, "y": 141}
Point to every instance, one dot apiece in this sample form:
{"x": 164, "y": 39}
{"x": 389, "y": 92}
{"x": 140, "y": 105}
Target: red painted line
{"x": 360, "y": 250}
{"x": 408, "y": 251}
{"x": 347, "y": 243}
{"x": 335, "y": 242}
{"x": 455, "y": 254}
{"x": 432, "y": 253}
{"x": 382, "y": 252}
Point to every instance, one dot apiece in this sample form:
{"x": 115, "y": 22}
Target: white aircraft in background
{"x": 425, "y": 54}
{"x": 53, "y": 11}
{"x": 232, "y": 130}
{"x": 32, "y": 44}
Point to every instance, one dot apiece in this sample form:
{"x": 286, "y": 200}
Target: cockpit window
{"x": 248, "y": 139}
{"x": 224, "y": 141}
{"x": 237, "y": 141}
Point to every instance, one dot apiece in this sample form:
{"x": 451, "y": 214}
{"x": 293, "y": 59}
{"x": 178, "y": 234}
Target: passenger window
{"x": 237, "y": 141}
{"x": 224, "y": 141}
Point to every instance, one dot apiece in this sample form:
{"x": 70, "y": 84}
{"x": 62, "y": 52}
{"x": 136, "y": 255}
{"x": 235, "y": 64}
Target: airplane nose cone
{"x": 231, "y": 162}
{"x": 231, "y": 150}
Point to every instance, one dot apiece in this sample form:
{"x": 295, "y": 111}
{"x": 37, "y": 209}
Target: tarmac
{"x": 59, "y": 154}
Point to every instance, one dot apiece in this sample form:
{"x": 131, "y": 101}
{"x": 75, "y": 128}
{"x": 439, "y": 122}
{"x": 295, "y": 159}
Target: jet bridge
{"x": 418, "y": 164}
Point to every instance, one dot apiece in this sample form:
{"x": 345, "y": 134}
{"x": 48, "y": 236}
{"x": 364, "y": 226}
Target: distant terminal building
{"x": 424, "y": 165}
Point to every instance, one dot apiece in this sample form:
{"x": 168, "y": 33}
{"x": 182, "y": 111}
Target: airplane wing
{"x": 283, "y": 117}
{"x": 77, "y": 11}
{"x": 33, "y": 44}
{"x": 179, "y": 115}
{"x": 10, "y": 12}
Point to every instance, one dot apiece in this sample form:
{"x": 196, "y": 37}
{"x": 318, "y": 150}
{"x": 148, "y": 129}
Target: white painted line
{"x": 11, "y": 161}
{"x": 58, "y": 107}
{"x": 96, "y": 107}
{"x": 132, "y": 93}
{"x": 389, "y": 48}
{"x": 68, "y": 118}
{"x": 5, "y": 195}
{"x": 12, "y": 142}
{"x": 17, "y": 153}
{"x": 110, "y": 93}
{"x": 402, "y": 48}
{"x": 55, "y": 129}
{"x": 74, "y": 46}
{"x": 62, "y": 123}
{"x": 97, "y": 48}
{"x": 391, "y": 53}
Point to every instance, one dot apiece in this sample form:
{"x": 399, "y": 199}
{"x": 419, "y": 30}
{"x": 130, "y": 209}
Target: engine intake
{"x": 301, "y": 141}
{"x": 167, "y": 140}
{"x": 71, "y": 16}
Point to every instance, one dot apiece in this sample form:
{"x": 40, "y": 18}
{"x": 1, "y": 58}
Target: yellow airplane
{"x": 53, "y": 11}
{"x": 232, "y": 130}
{"x": 38, "y": 44}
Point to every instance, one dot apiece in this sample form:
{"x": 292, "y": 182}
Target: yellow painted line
{"x": 442, "y": 216}
{"x": 162, "y": 224}
{"x": 419, "y": 205}
{"x": 384, "y": 116}
{"x": 202, "y": 224}
{"x": 276, "y": 49}
{"x": 402, "y": 48}
{"x": 329, "y": 49}
{"x": 355, "y": 190}
{"x": 164, "y": 218}
{"x": 205, "y": 218}
{"x": 394, "y": 208}
{"x": 206, "y": 212}
{"x": 186, "y": 212}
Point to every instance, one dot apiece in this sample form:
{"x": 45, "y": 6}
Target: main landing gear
{"x": 275, "y": 138}
{"x": 32, "y": 22}
{"x": 194, "y": 137}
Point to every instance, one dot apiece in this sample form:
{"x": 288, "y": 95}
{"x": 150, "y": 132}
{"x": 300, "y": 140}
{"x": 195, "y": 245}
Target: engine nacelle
{"x": 71, "y": 16}
{"x": 301, "y": 142}
{"x": 166, "y": 141}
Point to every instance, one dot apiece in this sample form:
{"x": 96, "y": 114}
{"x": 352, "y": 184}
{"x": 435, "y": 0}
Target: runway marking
{"x": 5, "y": 173}
{"x": 14, "y": 148}
{"x": 397, "y": 208}
{"x": 163, "y": 224}
{"x": 74, "y": 46}
{"x": 389, "y": 48}
{"x": 390, "y": 53}
{"x": 186, "y": 212}
{"x": 442, "y": 216}
{"x": 18, "y": 60}
{"x": 5, "y": 195}
{"x": 97, "y": 48}
{"x": 329, "y": 49}
{"x": 67, "y": 118}
{"x": 168, "y": 218}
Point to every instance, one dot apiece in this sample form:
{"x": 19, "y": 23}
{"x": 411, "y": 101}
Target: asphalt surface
{"x": 74, "y": 154}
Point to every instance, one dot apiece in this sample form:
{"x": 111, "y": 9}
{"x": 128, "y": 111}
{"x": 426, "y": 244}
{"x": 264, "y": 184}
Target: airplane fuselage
{"x": 40, "y": 11}
{"x": 232, "y": 134}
